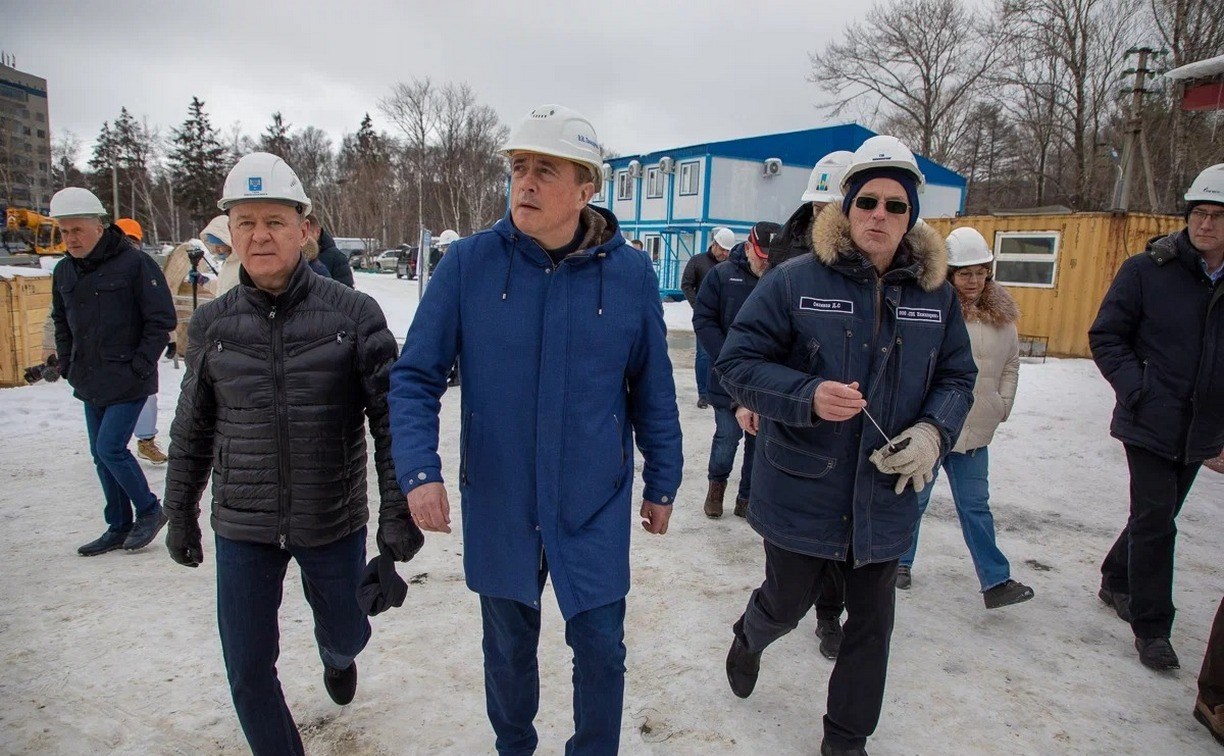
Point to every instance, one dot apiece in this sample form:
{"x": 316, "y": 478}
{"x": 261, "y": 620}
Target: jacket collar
{"x": 995, "y": 307}
{"x": 108, "y": 247}
{"x": 299, "y": 286}
{"x": 602, "y": 236}
{"x": 923, "y": 255}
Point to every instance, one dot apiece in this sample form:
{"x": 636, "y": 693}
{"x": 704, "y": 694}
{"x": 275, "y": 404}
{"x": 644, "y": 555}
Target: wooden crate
{"x": 25, "y": 304}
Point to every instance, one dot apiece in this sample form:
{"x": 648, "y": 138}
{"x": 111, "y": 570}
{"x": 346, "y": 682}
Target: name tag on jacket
{"x": 919, "y": 314}
{"x": 840, "y": 306}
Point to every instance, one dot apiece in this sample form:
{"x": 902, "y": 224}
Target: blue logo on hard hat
{"x": 823, "y": 184}
{"x": 255, "y": 184}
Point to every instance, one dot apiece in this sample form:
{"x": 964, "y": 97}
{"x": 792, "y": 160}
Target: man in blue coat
{"x": 1159, "y": 341}
{"x": 558, "y": 325}
{"x": 864, "y": 330}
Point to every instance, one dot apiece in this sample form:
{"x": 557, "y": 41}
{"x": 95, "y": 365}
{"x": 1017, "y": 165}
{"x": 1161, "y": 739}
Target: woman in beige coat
{"x": 990, "y": 315}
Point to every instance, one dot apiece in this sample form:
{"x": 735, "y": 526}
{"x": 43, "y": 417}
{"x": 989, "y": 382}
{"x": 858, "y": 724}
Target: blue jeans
{"x": 702, "y": 367}
{"x": 727, "y": 434}
{"x": 250, "y": 582}
{"x": 968, "y": 476}
{"x": 123, "y": 483}
{"x": 512, "y": 675}
{"x": 146, "y": 424}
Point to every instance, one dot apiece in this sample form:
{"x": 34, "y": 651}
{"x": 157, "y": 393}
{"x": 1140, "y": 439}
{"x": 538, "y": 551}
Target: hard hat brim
{"x": 228, "y": 204}
{"x": 597, "y": 168}
{"x": 828, "y": 197}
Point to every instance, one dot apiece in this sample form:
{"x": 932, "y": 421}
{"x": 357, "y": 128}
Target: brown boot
{"x": 147, "y": 448}
{"x": 714, "y": 499}
{"x": 1212, "y": 720}
{"x": 741, "y": 507}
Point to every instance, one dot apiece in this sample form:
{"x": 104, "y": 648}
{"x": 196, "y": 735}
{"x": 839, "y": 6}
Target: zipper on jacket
{"x": 283, "y": 502}
{"x": 337, "y": 337}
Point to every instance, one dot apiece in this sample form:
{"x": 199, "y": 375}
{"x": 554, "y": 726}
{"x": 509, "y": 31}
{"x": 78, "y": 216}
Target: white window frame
{"x": 653, "y": 244}
{"x": 690, "y": 173}
{"x": 601, "y": 195}
{"x": 624, "y": 186}
{"x": 1052, "y": 259}
{"x": 654, "y": 183}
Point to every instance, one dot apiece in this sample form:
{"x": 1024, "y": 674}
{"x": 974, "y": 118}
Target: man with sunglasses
{"x": 857, "y": 360}
{"x": 1157, "y": 340}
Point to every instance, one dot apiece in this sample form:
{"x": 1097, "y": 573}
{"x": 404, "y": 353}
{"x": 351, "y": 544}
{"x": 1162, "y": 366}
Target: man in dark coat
{"x": 1159, "y": 341}
{"x": 695, "y": 270}
{"x": 722, "y": 294}
{"x": 112, "y": 312}
{"x": 865, "y": 324}
{"x": 336, "y": 262}
{"x": 282, "y": 373}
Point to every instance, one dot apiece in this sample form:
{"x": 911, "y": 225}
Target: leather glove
{"x": 399, "y": 536}
{"x": 912, "y": 457}
{"x": 184, "y": 543}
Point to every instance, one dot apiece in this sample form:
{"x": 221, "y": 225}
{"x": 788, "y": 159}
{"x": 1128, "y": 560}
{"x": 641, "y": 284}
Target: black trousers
{"x": 1141, "y": 560}
{"x": 856, "y": 687}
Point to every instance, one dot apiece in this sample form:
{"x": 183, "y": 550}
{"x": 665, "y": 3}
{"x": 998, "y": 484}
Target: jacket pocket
{"x": 331, "y": 338}
{"x": 795, "y": 462}
{"x": 233, "y": 346}
{"x": 465, "y": 436}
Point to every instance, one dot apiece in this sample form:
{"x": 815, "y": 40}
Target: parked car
{"x": 356, "y": 249}
{"x": 405, "y": 265}
{"x": 387, "y": 260}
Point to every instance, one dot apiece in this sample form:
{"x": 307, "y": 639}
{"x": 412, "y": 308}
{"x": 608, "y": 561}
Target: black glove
{"x": 183, "y": 541}
{"x": 381, "y": 586}
{"x": 399, "y": 537}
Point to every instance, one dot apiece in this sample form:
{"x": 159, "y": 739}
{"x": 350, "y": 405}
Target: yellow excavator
{"x": 38, "y": 233}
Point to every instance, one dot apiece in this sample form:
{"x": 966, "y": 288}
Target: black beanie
{"x": 900, "y": 175}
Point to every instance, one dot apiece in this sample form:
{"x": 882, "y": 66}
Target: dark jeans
{"x": 250, "y": 579}
{"x": 123, "y": 482}
{"x": 1141, "y": 560}
{"x": 727, "y": 434}
{"x": 856, "y": 687}
{"x": 831, "y": 598}
{"x": 1211, "y": 676}
{"x": 701, "y": 364}
{"x": 512, "y": 674}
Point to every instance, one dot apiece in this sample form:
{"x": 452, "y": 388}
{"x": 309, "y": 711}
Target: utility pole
{"x": 1136, "y": 139}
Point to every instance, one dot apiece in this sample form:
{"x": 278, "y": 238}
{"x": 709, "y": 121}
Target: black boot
{"x": 714, "y": 499}
{"x": 1007, "y": 594}
{"x": 743, "y": 667}
{"x": 1120, "y": 602}
{"x": 741, "y": 507}
{"x": 828, "y": 750}
{"x": 145, "y": 530}
{"x": 341, "y": 684}
{"x": 904, "y": 580}
{"x": 1157, "y": 654}
{"x": 110, "y": 541}
{"x": 830, "y": 634}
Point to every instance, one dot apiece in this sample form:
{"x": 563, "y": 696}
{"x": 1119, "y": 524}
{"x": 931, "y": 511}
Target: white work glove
{"x": 913, "y": 462}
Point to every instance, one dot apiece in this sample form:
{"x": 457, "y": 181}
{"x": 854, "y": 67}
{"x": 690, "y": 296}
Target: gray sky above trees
{"x": 649, "y": 74}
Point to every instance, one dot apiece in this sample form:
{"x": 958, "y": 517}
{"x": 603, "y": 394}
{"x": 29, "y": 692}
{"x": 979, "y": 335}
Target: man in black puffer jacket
{"x": 112, "y": 312}
{"x": 1159, "y": 341}
{"x": 282, "y": 372}
{"x": 336, "y": 262}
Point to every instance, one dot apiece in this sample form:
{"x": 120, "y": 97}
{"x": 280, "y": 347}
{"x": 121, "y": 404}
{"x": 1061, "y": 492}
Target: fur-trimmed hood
{"x": 995, "y": 307}
{"x": 927, "y": 251}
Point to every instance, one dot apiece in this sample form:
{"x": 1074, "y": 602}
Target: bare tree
{"x": 921, "y": 60}
{"x": 414, "y": 109}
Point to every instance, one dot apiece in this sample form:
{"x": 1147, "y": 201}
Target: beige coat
{"x": 996, "y": 350}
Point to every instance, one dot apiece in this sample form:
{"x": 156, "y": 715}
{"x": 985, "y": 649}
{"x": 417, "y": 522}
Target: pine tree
{"x": 276, "y": 139}
{"x": 197, "y": 163}
{"x": 105, "y": 156}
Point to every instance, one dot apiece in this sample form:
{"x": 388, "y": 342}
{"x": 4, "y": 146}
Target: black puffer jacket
{"x": 794, "y": 240}
{"x": 722, "y": 294}
{"x": 695, "y": 271}
{"x": 336, "y": 262}
{"x": 1159, "y": 341}
{"x": 274, "y": 403}
{"x": 113, "y": 315}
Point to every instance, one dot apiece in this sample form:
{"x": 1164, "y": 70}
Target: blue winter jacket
{"x": 829, "y": 316}
{"x": 723, "y": 292}
{"x": 1159, "y": 341}
{"x": 563, "y": 365}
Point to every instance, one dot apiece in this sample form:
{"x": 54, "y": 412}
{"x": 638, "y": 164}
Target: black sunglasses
{"x": 896, "y": 207}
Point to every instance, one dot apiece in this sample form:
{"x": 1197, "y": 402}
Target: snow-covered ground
{"x": 119, "y": 653}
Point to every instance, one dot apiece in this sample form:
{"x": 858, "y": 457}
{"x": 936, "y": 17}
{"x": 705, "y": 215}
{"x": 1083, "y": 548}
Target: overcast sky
{"x": 650, "y": 75}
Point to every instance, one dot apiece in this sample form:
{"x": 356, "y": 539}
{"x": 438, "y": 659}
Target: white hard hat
{"x": 447, "y": 236}
{"x": 1207, "y": 187}
{"x": 558, "y": 131}
{"x": 882, "y": 152}
{"x": 263, "y": 176}
{"x": 218, "y": 228}
{"x": 724, "y": 237}
{"x": 824, "y": 185}
{"x": 967, "y": 247}
{"x": 75, "y": 202}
